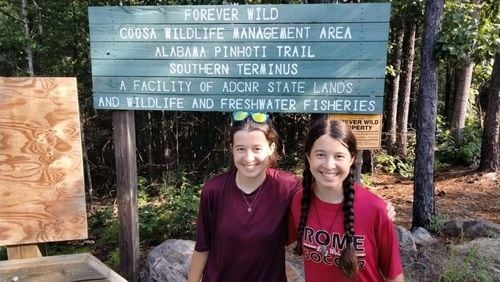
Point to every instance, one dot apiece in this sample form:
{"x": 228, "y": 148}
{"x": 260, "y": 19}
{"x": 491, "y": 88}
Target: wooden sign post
{"x": 126, "y": 177}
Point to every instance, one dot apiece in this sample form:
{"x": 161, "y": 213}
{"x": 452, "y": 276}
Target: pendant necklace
{"x": 249, "y": 204}
{"x": 322, "y": 248}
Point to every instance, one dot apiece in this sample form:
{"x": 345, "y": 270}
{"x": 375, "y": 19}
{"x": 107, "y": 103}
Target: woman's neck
{"x": 332, "y": 196}
{"x": 249, "y": 184}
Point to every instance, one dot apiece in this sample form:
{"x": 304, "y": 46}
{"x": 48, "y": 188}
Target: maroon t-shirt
{"x": 243, "y": 245}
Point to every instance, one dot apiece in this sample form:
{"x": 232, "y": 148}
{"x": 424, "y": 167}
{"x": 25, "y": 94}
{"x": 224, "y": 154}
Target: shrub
{"x": 448, "y": 152}
{"x": 473, "y": 267}
{"x": 394, "y": 164}
{"x": 436, "y": 225}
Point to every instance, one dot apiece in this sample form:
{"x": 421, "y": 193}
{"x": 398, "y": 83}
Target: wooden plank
{"x": 126, "y": 175}
{"x": 102, "y": 268}
{"x": 365, "y": 12}
{"x": 23, "y": 251}
{"x": 315, "y": 51}
{"x": 244, "y": 86}
{"x": 233, "y": 69}
{"x": 77, "y": 267}
{"x": 41, "y": 172}
{"x": 302, "y": 32}
{"x": 297, "y": 104}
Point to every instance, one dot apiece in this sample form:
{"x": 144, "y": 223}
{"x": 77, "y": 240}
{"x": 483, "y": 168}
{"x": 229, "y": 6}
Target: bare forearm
{"x": 398, "y": 278}
{"x": 198, "y": 262}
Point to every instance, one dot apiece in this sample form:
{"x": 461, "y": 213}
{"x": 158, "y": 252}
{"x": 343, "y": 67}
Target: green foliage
{"x": 63, "y": 248}
{"x": 448, "y": 152}
{"x": 113, "y": 259}
{"x": 175, "y": 216}
{"x": 109, "y": 234}
{"x": 165, "y": 211}
{"x": 473, "y": 267}
{"x": 144, "y": 190}
{"x": 103, "y": 226}
{"x": 408, "y": 10}
{"x": 291, "y": 162}
{"x": 470, "y": 32}
{"x": 367, "y": 180}
{"x": 395, "y": 165}
{"x": 436, "y": 225}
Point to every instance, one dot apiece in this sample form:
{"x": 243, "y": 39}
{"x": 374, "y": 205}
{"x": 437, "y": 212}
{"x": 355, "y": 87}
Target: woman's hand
{"x": 391, "y": 212}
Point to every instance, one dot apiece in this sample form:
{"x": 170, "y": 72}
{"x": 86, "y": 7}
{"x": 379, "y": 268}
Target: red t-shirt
{"x": 242, "y": 245}
{"x": 375, "y": 238}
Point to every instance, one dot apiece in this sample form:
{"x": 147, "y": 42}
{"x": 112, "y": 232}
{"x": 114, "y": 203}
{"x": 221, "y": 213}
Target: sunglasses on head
{"x": 256, "y": 117}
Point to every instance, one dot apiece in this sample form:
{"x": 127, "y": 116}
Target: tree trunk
{"x": 148, "y": 136}
{"x": 423, "y": 192}
{"x": 367, "y": 166}
{"x": 392, "y": 109}
{"x": 448, "y": 90}
{"x": 490, "y": 147}
{"x": 412, "y": 112}
{"x": 405, "y": 91}
{"x": 27, "y": 33}
{"x": 464, "y": 79}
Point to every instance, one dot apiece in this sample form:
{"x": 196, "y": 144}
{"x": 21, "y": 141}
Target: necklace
{"x": 255, "y": 199}
{"x": 249, "y": 204}
{"x": 322, "y": 248}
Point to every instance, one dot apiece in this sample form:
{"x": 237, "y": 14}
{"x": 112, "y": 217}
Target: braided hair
{"x": 339, "y": 131}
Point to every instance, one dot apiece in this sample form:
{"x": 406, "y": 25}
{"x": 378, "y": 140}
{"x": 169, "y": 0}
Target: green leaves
{"x": 470, "y": 32}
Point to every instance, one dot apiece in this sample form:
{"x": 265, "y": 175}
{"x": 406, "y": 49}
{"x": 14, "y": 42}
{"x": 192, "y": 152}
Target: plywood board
{"x": 42, "y": 194}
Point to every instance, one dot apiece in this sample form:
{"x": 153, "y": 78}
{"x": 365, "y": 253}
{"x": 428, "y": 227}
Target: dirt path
{"x": 458, "y": 194}
{"x": 461, "y": 194}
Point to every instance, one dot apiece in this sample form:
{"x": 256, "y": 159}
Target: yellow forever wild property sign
{"x": 314, "y": 58}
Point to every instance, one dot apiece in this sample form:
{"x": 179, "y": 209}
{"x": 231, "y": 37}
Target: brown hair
{"x": 267, "y": 128}
{"x": 339, "y": 131}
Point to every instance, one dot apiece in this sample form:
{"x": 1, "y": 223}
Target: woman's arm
{"x": 398, "y": 278}
{"x": 198, "y": 262}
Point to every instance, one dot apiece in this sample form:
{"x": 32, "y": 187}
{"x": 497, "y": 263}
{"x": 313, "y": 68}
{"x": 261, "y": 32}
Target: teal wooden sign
{"x": 304, "y": 58}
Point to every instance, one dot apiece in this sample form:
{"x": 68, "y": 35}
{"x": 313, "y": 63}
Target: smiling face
{"x": 330, "y": 162}
{"x": 251, "y": 152}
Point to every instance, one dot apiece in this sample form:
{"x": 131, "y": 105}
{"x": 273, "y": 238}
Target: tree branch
{"x": 9, "y": 15}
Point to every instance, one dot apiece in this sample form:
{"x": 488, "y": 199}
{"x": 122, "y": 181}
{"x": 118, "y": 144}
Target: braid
{"x": 307, "y": 181}
{"x": 348, "y": 260}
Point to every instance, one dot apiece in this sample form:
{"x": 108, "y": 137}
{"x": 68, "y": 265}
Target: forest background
{"x": 177, "y": 151}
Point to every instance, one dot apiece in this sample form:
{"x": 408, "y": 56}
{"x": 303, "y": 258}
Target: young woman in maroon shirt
{"x": 242, "y": 221}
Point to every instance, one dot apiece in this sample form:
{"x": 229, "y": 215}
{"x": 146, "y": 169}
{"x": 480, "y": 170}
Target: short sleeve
{"x": 293, "y": 216}
{"x": 203, "y": 224}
